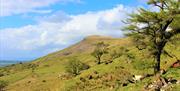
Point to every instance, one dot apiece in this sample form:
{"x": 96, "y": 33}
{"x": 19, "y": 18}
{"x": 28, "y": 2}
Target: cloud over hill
{"x": 59, "y": 30}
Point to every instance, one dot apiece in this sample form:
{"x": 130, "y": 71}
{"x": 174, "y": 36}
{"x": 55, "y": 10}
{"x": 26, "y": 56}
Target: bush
{"x": 1, "y": 74}
{"x": 74, "y": 66}
{"x": 3, "y": 84}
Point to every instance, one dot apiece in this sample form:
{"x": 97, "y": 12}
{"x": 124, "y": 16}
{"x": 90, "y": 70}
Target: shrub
{"x": 1, "y": 74}
{"x": 3, "y": 84}
{"x": 74, "y": 66}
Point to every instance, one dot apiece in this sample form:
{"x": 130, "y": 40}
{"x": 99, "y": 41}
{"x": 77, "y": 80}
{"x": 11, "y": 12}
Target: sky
{"x": 33, "y": 28}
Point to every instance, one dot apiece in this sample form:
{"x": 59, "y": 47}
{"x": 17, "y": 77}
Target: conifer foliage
{"x": 153, "y": 29}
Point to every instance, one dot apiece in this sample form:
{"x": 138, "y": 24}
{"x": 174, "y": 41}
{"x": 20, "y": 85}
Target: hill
{"x": 48, "y": 73}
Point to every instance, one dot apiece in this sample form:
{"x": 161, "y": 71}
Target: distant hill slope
{"x": 86, "y": 45}
{"x": 48, "y": 73}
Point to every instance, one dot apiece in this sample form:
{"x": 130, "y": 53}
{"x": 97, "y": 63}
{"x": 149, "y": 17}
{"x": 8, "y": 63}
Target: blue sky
{"x": 33, "y": 28}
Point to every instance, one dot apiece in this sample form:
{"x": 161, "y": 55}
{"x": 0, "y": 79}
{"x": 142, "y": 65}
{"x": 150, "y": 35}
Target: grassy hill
{"x": 48, "y": 73}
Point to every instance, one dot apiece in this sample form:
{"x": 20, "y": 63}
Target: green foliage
{"x": 101, "y": 48}
{"x": 74, "y": 66}
{"x": 153, "y": 29}
{"x": 3, "y": 84}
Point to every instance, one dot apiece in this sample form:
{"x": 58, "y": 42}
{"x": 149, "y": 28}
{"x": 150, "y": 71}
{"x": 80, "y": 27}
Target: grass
{"x": 103, "y": 77}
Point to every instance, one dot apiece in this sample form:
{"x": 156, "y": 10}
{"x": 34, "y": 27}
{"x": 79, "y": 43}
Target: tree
{"x": 74, "y": 66}
{"x": 152, "y": 30}
{"x": 100, "y": 49}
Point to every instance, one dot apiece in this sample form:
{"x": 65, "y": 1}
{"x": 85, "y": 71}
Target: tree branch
{"x": 168, "y": 22}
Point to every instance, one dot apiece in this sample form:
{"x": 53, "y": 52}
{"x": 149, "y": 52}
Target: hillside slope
{"x": 48, "y": 73}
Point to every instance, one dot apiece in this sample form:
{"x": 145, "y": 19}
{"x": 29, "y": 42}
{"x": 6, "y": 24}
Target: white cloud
{"x": 54, "y": 33}
{"x": 12, "y": 7}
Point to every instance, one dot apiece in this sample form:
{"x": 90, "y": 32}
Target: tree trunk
{"x": 158, "y": 61}
{"x": 99, "y": 60}
{"x": 157, "y": 65}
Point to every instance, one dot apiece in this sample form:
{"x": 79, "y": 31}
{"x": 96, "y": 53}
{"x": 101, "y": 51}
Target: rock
{"x": 137, "y": 77}
{"x": 171, "y": 80}
{"x": 164, "y": 81}
{"x": 178, "y": 82}
{"x": 162, "y": 71}
{"x": 161, "y": 84}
